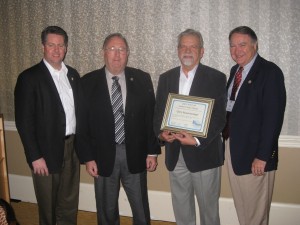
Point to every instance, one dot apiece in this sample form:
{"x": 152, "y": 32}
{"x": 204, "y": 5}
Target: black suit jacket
{"x": 207, "y": 83}
{"x": 257, "y": 116}
{"x": 97, "y": 134}
{"x": 40, "y": 116}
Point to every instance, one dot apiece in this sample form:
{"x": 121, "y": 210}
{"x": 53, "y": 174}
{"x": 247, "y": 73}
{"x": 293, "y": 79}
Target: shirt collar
{"x": 249, "y": 65}
{"x": 191, "y": 73}
{"x": 109, "y": 75}
{"x": 63, "y": 69}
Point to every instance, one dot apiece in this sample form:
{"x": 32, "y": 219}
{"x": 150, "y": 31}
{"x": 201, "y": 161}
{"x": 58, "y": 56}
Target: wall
{"x": 285, "y": 207}
{"x": 286, "y": 190}
{"x": 151, "y": 28}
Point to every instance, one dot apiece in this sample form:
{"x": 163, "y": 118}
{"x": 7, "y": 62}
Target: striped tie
{"x": 117, "y": 106}
{"x": 235, "y": 86}
{"x": 236, "y": 83}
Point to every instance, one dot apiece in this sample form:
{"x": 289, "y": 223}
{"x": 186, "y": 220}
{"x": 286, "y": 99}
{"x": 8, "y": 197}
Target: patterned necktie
{"x": 117, "y": 106}
{"x": 236, "y": 84}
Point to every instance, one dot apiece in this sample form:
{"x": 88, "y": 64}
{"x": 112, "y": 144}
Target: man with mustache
{"x": 194, "y": 162}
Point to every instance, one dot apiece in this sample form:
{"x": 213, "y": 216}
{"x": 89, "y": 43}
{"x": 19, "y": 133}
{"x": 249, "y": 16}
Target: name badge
{"x": 230, "y": 104}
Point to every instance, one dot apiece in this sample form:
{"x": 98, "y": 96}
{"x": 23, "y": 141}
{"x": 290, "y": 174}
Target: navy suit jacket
{"x": 97, "y": 135}
{"x": 40, "y": 116}
{"x": 207, "y": 83}
{"x": 257, "y": 116}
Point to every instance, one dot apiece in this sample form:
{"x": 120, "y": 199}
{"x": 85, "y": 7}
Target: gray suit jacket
{"x": 207, "y": 83}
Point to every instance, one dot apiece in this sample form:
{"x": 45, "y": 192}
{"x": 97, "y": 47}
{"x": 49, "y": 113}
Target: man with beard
{"x": 194, "y": 162}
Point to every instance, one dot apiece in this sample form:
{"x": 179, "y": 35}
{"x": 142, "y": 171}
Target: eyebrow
{"x": 239, "y": 43}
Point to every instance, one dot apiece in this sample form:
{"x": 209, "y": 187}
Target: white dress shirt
{"x": 185, "y": 84}
{"x": 66, "y": 95}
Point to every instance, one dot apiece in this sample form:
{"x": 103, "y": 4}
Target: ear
{"x": 256, "y": 46}
{"x": 201, "y": 52}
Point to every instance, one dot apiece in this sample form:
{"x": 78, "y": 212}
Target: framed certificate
{"x": 188, "y": 113}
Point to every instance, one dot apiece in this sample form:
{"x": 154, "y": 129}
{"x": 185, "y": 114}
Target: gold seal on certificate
{"x": 188, "y": 113}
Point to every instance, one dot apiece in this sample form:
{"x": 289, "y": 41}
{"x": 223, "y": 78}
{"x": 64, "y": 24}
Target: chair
{"x": 4, "y": 184}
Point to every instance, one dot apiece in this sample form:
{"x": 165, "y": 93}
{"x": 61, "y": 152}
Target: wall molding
{"x": 21, "y": 187}
{"x": 10, "y": 125}
{"x": 286, "y": 141}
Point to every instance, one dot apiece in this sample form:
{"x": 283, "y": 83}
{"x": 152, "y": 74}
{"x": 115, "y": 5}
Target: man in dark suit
{"x": 119, "y": 143}
{"x": 46, "y": 107}
{"x": 194, "y": 162}
{"x": 255, "y": 111}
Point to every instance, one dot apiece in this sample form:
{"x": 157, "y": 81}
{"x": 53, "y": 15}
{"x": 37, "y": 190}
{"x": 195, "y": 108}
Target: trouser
{"x": 58, "y": 194}
{"x": 206, "y": 185}
{"x": 252, "y": 195}
{"x": 107, "y": 193}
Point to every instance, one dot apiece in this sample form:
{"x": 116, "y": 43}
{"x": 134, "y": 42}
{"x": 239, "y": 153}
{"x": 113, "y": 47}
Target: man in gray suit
{"x": 194, "y": 162}
{"x": 118, "y": 144}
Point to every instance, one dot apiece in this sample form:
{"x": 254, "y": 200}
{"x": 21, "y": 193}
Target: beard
{"x": 187, "y": 61}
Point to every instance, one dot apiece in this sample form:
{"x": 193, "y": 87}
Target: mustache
{"x": 187, "y": 55}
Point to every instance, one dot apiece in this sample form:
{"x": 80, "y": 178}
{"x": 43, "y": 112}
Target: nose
{"x": 235, "y": 50}
{"x": 188, "y": 49}
{"x": 56, "y": 48}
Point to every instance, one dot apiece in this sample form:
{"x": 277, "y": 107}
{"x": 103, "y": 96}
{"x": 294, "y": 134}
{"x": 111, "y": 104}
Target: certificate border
{"x": 171, "y": 97}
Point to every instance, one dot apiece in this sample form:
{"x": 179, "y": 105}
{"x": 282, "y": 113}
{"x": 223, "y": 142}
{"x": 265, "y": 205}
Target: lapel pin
{"x": 72, "y": 78}
{"x": 131, "y": 78}
{"x": 249, "y": 81}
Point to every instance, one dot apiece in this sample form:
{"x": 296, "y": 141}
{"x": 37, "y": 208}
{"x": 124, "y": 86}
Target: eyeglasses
{"x": 113, "y": 49}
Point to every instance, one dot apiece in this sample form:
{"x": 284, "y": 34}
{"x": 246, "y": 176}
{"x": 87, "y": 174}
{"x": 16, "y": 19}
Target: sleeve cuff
{"x": 197, "y": 142}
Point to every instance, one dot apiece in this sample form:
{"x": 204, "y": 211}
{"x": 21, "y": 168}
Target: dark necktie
{"x": 117, "y": 106}
{"x": 236, "y": 84}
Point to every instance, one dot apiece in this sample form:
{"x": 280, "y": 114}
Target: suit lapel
{"x": 102, "y": 90}
{"x": 254, "y": 69}
{"x": 71, "y": 79}
{"x": 129, "y": 79}
{"x": 49, "y": 81}
{"x": 251, "y": 77}
{"x": 196, "y": 85}
{"x": 200, "y": 86}
{"x": 73, "y": 83}
{"x": 174, "y": 81}
{"x": 232, "y": 72}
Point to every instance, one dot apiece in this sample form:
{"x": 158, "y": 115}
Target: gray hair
{"x": 192, "y": 32}
{"x": 112, "y": 36}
